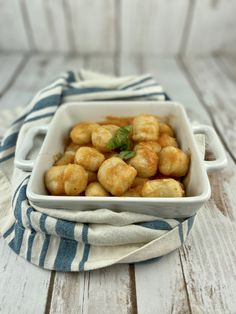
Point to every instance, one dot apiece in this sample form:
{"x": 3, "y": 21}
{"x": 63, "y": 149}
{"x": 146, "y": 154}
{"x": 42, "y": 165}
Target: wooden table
{"x": 198, "y": 278}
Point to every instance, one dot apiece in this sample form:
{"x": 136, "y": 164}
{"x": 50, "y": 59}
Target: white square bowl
{"x": 198, "y": 189}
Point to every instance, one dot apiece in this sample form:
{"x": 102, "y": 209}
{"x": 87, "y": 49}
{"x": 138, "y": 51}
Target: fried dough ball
{"x": 95, "y": 189}
{"x": 81, "y": 133}
{"x": 75, "y": 179}
{"x": 163, "y": 188}
{"x": 102, "y": 135}
{"x": 54, "y": 180}
{"x": 72, "y": 147}
{"x": 116, "y": 176}
{"x": 134, "y": 192}
{"x": 89, "y": 158}
{"x": 145, "y": 128}
{"x": 167, "y": 140}
{"x": 154, "y": 146}
{"x": 92, "y": 176}
{"x": 173, "y": 162}
{"x": 164, "y": 128}
{"x": 145, "y": 162}
{"x": 67, "y": 158}
{"x": 138, "y": 181}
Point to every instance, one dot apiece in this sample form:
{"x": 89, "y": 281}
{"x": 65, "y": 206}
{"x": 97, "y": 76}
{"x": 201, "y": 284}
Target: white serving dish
{"x": 198, "y": 189}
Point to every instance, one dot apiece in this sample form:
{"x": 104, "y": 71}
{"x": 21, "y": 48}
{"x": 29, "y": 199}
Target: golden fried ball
{"x": 102, "y": 135}
{"x": 67, "y": 158}
{"x": 154, "y": 146}
{"x": 173, "y": 162}
{"x": 164, "y": 128}
{"x": 89, "y": 158}
{"x": 81, "y": 133}
{"x": 54, "y": 180}
{"x": 134, "y": 192}
{"x": 145, "y": 162}
{"x": 72, "y": 147}
{"x": 167, "y": 140}
{"x": 75, "y": 179}
{"x": 145, "y": 128}
{"x": 92, "y": 176}
{"x": 163, "y": 188}
{"x": 116, "y": 176}
{"x": 95, "y": 189}
{"x": 139, "y": 181}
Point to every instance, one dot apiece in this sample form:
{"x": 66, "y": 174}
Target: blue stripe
{"x": 49, "y": 101}
{"x": 9, "y": 231}
{"x": 28, "y": 214}
{"x": 16, "y": 242}
{"x": 19, "y": 119}
{"x": 12, "y": 155}
{"x": 21, "y": 198}
{"x": 19, "y": 186}
{"x": 85, "y": 233}
{"x": 9, "y": 141}
{"x": 137, "y": 83}
{"x": 86, "y": 247}
{"x": 30, "y": 245}
{"x": 156, "y": 225}
{"x": 190, "y": 223}
{"x": 65, "y": 228}
{"x": 65, "y": 255}
{"x": 42, "y": 221}
{"x": 71, "y": 77}
{"x": 181, "y": 235}
{"x": 167, "y": 96}
{"x": 85, "y": 90}
{"x": 44, "y": 250}
{"x": 40, "y": 117}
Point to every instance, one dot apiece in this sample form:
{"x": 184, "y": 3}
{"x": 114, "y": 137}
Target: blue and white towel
{"x": 66, "y": 240}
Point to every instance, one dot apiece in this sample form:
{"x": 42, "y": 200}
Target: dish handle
{"x": 215, "y": 146}
{"x": 20, "y": 159}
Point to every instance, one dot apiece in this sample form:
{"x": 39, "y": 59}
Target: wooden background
{"x": 118, "y": 27}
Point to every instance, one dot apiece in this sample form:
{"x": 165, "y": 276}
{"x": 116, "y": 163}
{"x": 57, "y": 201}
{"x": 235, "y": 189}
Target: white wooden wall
{"x": 118, "y": 27}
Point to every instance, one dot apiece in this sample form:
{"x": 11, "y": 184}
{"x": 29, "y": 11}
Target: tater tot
{"x": 145, "y": 162}
{"x": 54, "y": 180}
{"x": 95, "y": 189}
{"x": 145, "y": 128}
{"x": 173, "y": 162}
{"x": 164, "y": 128}
{"x": 102, "y": 135}
{"x": 134, "y": 192}
{"x": 89, "y": 158}
{"x": 67, "y": 158}
{"x": 163, "y": 188}
{"x": 75, "y": 179}
{"x": 81, "y": 133}
{"x": 154, "y": 146}
{"x": 116, "y": 176}
{"x": 167, "y": 140}
{"x": 92, "y": 176}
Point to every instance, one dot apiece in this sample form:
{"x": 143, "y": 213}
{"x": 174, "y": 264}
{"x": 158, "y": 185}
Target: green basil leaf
{"x": 121, "y": 139}
{"x": 126, "y": 154}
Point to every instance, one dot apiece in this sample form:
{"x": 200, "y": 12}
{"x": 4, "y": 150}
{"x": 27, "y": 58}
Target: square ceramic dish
{"x": 198, "y": 188}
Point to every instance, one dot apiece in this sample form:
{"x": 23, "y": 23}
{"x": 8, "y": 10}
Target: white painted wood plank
{"x": 229, "y": 61}
{"x": 12, "y": 31}
{"x": 212, "y": 27}
{"x": 152, "y": 27}
{"x": 102, "y": 64}
{"x": 218, "y": 93}
{"x": 8, "y": 65}
{"x": 56, "y": 14}
{"x": 40, "y": 70}
{"x": 41, "y": 25}
{"x": 93, "y": 25}
{"x": 160, "y": 286}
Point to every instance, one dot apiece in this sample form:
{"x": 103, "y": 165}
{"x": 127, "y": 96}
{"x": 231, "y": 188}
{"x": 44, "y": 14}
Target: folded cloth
{"x": 66, "y": 240}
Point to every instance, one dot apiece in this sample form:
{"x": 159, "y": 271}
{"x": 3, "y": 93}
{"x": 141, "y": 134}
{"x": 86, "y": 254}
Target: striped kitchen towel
{"x": 66, "y": 240}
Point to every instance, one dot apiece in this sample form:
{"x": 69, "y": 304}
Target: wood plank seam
{"x": 69, "y": 27}
{"x": 187, "y": 27}
{"x": 51, "y": 26}
{"x": 198, "y": 93}
{"x": 16, "y": 73}
{"x": 27, "y": 26}
{"x": 118, "y": 39}
{"x": 50, "y": 291}
{"x": 133, "y": 295}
